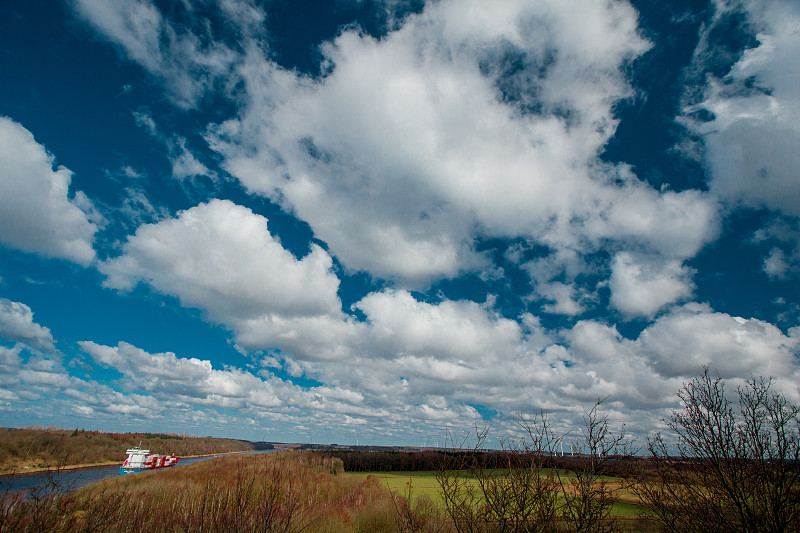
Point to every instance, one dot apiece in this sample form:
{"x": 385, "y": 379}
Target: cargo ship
{"x": 140, "y": 460}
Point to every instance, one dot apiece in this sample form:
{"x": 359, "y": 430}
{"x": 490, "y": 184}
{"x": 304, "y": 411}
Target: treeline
{"x": 431, "y": 460}
{"x": 386, "y": 460}
{"x": 261, "y": 445}
{"x": 25, "y": 448}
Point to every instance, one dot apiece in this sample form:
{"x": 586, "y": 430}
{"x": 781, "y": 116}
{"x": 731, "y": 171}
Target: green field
{"x": 421, "y": 482}
{"x": 425, "y": 483}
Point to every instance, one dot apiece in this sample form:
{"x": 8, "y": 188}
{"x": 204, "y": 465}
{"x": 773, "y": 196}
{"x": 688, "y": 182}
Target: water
{"x": 74, "y": 479}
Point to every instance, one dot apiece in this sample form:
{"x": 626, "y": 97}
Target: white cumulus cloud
{"x": 401, "y": 325}
{"x": 643, "y": 285}
{"x": 412, "y": 145}
{"x": 37, "y": 213}
{"x": 17, "y": 325}
{"x": 221, "y": 257}
{"x": 185, "y": 379}
{"x": 681, "y": 343}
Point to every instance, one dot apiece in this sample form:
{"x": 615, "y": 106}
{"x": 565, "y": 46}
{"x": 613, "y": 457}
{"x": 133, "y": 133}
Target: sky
{"x": 385, "y": 221}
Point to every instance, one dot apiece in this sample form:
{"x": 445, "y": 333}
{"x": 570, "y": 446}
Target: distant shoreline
{"x": 42, "y": 470}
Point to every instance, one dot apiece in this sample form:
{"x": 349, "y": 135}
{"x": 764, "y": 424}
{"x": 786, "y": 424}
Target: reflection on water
{"x": 68, "y": 480}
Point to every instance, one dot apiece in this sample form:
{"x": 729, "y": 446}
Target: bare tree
{"x": 735, "y": 465}
{"x": 509, "y": 490}
{"x": 416, "y": 514}
{"x": 535, "y": 486}
{"x": 588, "y": 497}
{"x": 462, "y": 500}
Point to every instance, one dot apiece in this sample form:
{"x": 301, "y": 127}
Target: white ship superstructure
{"x": 139, "y": 460}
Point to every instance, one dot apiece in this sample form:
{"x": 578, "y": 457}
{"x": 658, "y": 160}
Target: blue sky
{"x": 376, "y": 221}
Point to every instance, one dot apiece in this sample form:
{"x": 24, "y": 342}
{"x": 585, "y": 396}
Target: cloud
{"x": 401, "y": 325}
{"x": 41, "y": 388}
{"x": 12, "y": 389}
{"x": 17, "y": 325}
{"x": 410, "y": 146}
{"x": 643, "y": 285}
{"x": 195, "y": 382}
{"x": 324, "y": 337}
{"x": 751, "y": 141}
{"x": 27, "y": 382}
{"x": 187, "y": 63}
{"x": 564, "y": 298}
{"x": 781, "y": 236}
{"x": 186, "y": 380}
{"x": 36, "y": 212}
{"x": 647, "y": 371}
{"x": 409, "y": 353}
{"x": 693, "y": 336}
{"x": 220, "y": 257}
{"x": 775, "y": 264}
{"x": 184, "y": 163}
{"x": 591, "y": 341}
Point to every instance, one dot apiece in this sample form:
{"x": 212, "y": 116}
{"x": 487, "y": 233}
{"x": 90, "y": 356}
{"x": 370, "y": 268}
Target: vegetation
{"x": 422, "y": 484}
{"x": 735, "y": 465}
{"x": 25, "y": 449}
{"x": 589, "y": 497}
{"x": 726, "y": 465}
{"x": 281, "y": 492}
{"x": 387, "y": 460}
{"x": 525, "y": 487}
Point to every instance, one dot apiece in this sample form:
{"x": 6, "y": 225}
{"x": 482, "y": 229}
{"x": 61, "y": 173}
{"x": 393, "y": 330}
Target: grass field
{"x": 425, "y": 483}
{"x": 421, "y": 482}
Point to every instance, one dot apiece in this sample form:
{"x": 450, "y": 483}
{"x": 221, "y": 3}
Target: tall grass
{"x": 283, "y": 492}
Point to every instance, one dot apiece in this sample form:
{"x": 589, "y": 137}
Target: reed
{"x": 281, "y": 492}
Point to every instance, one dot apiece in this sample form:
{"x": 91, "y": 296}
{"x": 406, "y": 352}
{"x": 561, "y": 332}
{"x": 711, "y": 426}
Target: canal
{"x": 67, "y": 480}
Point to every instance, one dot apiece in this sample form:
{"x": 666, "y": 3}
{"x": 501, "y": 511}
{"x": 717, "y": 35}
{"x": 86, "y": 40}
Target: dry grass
{"x": 279, "y": 492}
{"x": 27, "y": 450}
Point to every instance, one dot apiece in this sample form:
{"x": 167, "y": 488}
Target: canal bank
{"x": 75, "y": 477}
